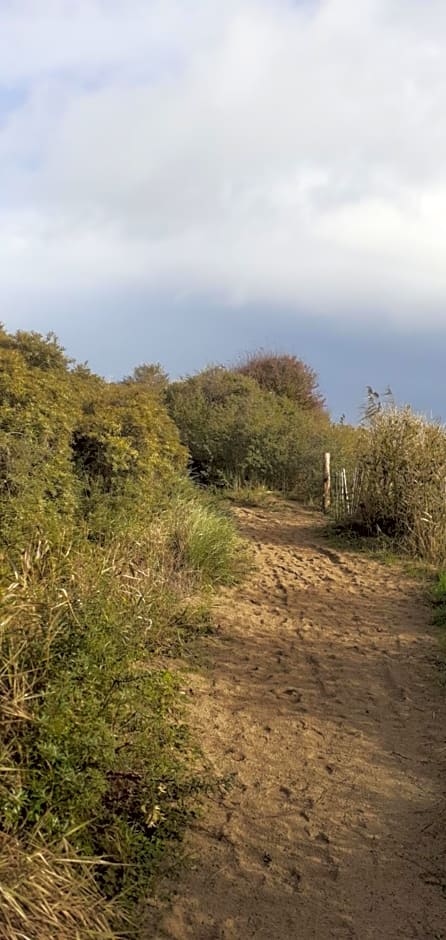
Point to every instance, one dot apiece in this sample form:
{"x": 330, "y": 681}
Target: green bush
{"x": 94, "y": 752}
{"x": 286, "y": 376}
{"x": 37, "y": 416}
{"x": 238, "y": 434}
{"x": 125, "y": 434}
{"x": 107, "y": 555}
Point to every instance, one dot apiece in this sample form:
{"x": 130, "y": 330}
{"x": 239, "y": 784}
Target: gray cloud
{"x": 259, "y": 150}
{"x": 117, "y": 330}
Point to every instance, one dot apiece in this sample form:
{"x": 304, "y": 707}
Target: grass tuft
{"x": 203, "y": 540}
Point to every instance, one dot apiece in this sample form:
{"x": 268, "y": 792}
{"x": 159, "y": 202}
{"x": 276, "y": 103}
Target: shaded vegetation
{"x": 439, "y": 600}
{"x": 240, "y": 432}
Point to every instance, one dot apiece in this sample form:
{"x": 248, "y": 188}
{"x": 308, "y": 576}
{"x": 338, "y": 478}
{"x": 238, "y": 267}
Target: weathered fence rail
{"x": 341, "y": 489}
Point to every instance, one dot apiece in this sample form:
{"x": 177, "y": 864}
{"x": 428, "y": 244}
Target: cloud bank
{"x": 269, "y": 151}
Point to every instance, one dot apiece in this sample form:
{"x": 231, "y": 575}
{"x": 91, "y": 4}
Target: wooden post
{"x": 345, "y": 490}
{"x": 326, "y": 502}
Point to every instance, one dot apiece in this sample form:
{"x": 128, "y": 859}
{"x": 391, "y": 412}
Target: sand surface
{"x": 321, "y": 702}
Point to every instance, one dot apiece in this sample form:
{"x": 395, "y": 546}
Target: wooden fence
{"x": 342, "y": 491}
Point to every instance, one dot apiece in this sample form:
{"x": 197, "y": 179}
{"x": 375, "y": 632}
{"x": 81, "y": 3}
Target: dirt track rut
{"x": 321, "y": 703}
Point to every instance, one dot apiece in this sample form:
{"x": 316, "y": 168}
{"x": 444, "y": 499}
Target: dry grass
{"x": 50, "y": 896}
{"x": 97, "y": 773}
{"x": 402, "y": 472}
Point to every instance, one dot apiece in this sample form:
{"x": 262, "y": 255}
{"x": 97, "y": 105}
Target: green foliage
{"x": 286, "y": 376}
{"x": 254, "y": 496}
{"x": 107, "y": 555}
{"x": 66, "y": 434}
{"x": 346, "y": 444}
{"x": 37, "y": 416}
{"x": 124, "y": 434}
{"x": 203, "y": 539}
{"x": 152, "y": 376}
{"x": 94, "y": 719}
{"x": 238, "y": 434}
{"x": 439, "y": 600}
{"x": 40, "y": 352}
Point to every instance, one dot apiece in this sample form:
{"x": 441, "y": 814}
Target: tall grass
{"x": 402, "y": 469}
{"x": 44, "y": 894}
{"x": 203, "y": 540}
{"x": 96, "y": 767}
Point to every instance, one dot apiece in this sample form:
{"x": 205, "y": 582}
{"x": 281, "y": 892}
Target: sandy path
{"x": 322, "y": 702}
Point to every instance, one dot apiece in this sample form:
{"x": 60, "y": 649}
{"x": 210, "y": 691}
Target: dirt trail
{"x": 322, "y": 703}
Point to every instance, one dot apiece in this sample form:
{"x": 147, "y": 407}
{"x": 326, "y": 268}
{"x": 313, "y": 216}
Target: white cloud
{"x": 293, "y": 153}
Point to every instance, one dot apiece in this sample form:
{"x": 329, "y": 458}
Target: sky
{"x": 187, "y": 180}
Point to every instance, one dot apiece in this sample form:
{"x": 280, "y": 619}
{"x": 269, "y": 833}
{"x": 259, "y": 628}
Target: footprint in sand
{"x": 321, "y": 791}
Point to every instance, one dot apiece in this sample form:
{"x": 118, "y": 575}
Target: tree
{"x": 39, "y": 352}
{"x": 286, "y": 376}
{"x": 150, "y": 375}
{"x": 239, "y": 433}
{"x": 68, "y": 438}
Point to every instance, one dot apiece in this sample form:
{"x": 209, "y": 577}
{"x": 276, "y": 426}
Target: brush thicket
{"x": 402, "y": 473}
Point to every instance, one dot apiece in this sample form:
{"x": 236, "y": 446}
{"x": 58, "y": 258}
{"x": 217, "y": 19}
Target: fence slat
{"x": 326, "y": 502}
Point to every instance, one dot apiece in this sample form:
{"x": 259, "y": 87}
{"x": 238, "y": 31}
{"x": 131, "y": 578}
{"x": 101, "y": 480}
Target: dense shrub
{"x": 402, "y": 482}
{"x": 66, "y": 435}
{"x": 37, "y": 415}
{"x": 152, "y": 376}
{"x": 286, "y": 376}
{"x": 107, "y": 554}
{"x": 240, "y": 434}
{"x": 124, "y": 434}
